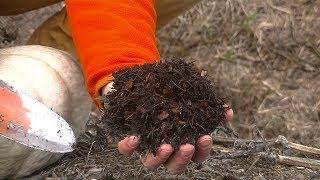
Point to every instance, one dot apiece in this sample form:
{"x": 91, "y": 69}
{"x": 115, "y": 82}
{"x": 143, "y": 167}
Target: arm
{"x": 110, "y": 35}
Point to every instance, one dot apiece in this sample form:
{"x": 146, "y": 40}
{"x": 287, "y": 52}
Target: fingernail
{"x": 186, "y": 154}
{"x": 164, "y": 152}
{"x": 206, "y": 143}
{"x": 189, "y": 152}
{"x": 133, "y": 142}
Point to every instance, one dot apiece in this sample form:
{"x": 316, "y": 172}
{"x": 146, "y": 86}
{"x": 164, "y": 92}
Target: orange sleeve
{"x": 110, "y": 35}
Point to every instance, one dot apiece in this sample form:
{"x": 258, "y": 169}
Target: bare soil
{"x": 265, "y": 54}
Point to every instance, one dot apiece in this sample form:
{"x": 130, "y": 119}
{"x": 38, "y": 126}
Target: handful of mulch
{"x": 167, "y": 102}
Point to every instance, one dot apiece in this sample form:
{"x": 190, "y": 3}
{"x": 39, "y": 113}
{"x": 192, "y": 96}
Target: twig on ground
{"x": 296, "y": 161}
{"x": 306, "y": 150}
{"x": 258, "y": 144}
{"x": 264, "y": 149}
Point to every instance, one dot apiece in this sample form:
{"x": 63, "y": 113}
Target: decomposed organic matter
{"x": 167, "y": 102}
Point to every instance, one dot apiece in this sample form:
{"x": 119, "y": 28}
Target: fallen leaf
{"x": 141, "y": 109}
{"x": 182, "y": 122}
{"x": 129, "y": 84}
{"x": 127, "y": 115}
{"x": 163, "y": 115}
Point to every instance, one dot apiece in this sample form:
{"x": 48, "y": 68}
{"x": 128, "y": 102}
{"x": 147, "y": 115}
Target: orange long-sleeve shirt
{"x": 110, "y": 35}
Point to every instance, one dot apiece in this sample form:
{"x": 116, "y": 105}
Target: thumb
{"x": 107, "y": 88}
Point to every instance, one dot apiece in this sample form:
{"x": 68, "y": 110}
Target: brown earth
{"x": 265, "y": 54}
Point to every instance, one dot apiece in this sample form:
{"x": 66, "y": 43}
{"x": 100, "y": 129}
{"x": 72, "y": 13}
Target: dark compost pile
{"x": 167, "y": 102}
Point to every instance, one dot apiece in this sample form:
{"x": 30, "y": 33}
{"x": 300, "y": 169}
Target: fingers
{"x": 203, "y": 148}
{"x": 179, "y": 161}
{"x": 152, "y": 162}
{"x": 128, "y": 145}
{"x": 175, "y": 162}
{"x": 229, "y": 115}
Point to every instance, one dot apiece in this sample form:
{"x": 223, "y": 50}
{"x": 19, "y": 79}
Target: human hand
{"x": 176, "y": 162}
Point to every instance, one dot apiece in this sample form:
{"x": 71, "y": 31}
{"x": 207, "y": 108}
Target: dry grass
{"x": 266, "y": 55}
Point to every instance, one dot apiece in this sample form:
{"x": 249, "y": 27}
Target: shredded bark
{"x": 167, "y": 102}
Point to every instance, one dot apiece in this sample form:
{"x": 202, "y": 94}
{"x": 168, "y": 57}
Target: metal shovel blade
{"x": 25, "y": 120}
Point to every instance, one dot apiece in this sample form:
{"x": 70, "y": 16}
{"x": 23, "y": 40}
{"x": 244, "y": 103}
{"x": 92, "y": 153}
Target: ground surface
{"x": 265, "y": 54}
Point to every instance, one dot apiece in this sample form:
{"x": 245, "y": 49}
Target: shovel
{"x": 25, "y": 120}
